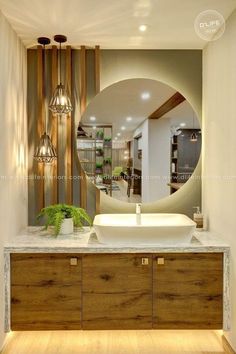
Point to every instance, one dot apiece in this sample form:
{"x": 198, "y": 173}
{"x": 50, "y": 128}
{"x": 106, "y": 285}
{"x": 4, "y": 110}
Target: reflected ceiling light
{"x": 118, "y": 134}
{"x": 94, "y": 127}
{"x": 129, "y": 119}
{"x": 116, "y": 138}
{"x": 92, "y": 118}
{"x": 45, "y": 151}
{"x": 126, "y": 152}
{"x": 183, "y": 124}
{"x": 142, "y": 28}
{"x": 60, "y": 102}
{"x": 123, "y": 127}
{"x": 145, "y": 96}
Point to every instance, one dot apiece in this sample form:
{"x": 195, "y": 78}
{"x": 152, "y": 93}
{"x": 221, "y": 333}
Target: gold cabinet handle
{"x": 145, "y": 261}
{"x": 74, "y": 261}
{"x": 160, "y": 261}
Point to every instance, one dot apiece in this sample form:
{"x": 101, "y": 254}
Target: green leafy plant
{"x": 99, "y": 164}
{"x": 100, "y": 134}
{"x": 55, "y": 214}
{"x": 107, "y": 161}
{"x": 99, "y": 151}
{"x": 107, "y": 139}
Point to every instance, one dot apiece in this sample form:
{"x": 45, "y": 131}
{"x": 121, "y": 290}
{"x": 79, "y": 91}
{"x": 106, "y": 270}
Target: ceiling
{"x": 113, "y": 24}
{"x": 124, "y": 99}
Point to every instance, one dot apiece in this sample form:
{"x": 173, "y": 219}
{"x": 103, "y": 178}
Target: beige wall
{"x": 180, "y": 69}
{"x": 219, "y": 162}
{"x": 13, "y": 140}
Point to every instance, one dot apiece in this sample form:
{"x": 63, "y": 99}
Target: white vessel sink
{"x": 143, "y": 229}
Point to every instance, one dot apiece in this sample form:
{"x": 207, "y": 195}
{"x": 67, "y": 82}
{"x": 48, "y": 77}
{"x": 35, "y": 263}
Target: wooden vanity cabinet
{"x": 188, "y": 291}
{"x": 117, "y": 291}
{"x": 45, "y": 291}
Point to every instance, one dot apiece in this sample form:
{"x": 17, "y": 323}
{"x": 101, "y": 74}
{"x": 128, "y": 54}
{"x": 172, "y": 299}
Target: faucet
{"x": 138, "y": 208}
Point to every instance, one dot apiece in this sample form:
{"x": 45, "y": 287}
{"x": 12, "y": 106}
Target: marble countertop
{"x": 37, "y": 240}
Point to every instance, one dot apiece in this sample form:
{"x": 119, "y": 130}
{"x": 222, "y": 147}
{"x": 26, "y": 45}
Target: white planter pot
{"x": 67, "y": 227}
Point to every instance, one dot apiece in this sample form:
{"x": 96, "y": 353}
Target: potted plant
{"x": 99, "y": 151}
{"x": 107, "y": 142}
{"x": 99, "y": 168}
{"x": 100, "y": 134}
{"x": 107, "y": 161}
{"x": 64, "y": 217}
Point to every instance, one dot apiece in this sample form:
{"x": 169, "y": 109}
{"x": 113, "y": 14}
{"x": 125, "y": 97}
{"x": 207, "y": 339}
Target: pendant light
{"x": 45, "y": 151}
{"x": 60, "y": 102}
{"x": 193, "y": 137}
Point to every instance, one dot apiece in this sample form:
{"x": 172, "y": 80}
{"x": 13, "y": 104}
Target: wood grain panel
{"x": 83, "y": 102}
{"x": 45, "y": 292}
{"x": 117, "y": 292}
{"x": 97, "y": 69}
{"x": 170, "y": 104}
{"x": 97, "y": 90}
{"x": 69, "y": 135}
{"x": 187, "y": 291}
{"x": 40, "y": 126}
{"x": 54, "y": 127}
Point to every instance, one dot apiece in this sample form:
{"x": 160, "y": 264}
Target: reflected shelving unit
{"x": 184, "y": 157}
{"x": 95, "y": 154}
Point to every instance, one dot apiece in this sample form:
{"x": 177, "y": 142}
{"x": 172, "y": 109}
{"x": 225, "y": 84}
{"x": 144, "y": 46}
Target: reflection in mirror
{"x": 139, "y": 141}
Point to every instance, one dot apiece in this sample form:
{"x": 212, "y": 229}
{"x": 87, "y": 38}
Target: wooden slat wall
{"x": 83, "y": 96}
{"x": 97, "y": 69}
{"x": 69, "y": 134}
{"x": 54, "y": 127}
{"x": 40, "y": 126}
{"x": 70, "y": 129}
{"x": 97, "y": 90}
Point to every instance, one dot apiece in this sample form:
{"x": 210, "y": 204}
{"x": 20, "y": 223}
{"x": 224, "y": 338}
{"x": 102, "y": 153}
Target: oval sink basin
{"x": 144, "y": 229}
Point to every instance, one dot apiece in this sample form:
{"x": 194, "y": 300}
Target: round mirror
{"x": 139, "y": 141}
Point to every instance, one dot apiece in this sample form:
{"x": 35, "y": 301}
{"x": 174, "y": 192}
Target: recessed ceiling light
{"x": 145, "y": 96}
{"x": 129, "y": 119}
{"x": 116, "y": 138}
{"x": 92, "y": 118}
{"x": 123, "y": 127}
{"x": 126, "y": 152}
{"x": 183, "y": 124}
{"x": 118, "y": 134}
{"x": 94, "y": 127}
{"x": 142, "y": 28}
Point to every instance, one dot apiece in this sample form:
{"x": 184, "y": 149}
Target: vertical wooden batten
{"x": 97, "y": 69}
{"x": 83, "y": 96}
{"x": 40, "y": 126}
{"x": 69, "y": 133}
{"x": 97, "y": 90}
{"x": 54, "y": 127}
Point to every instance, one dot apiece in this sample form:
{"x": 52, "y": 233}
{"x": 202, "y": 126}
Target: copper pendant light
{"x": 45, "y": 151}
{"x": 60, "y": 102}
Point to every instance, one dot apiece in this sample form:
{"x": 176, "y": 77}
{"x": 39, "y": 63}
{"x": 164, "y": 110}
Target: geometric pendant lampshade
{"x": 45, "y": 151}
{"x": 60, "y": 102}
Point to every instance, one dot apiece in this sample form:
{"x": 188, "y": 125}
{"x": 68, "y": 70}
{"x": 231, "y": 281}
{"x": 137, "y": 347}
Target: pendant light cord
{"x": 60, "y": 65}
{"x": 44, "y": 88}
